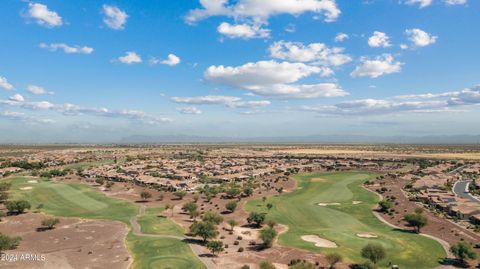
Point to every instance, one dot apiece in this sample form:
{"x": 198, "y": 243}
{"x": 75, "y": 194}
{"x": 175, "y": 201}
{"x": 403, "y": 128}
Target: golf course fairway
{"x": 345, "y": 211}
{"x": 81, "y": 201}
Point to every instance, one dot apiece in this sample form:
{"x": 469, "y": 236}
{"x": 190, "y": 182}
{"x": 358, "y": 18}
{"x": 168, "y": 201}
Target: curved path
{"x": 197, "y": 249}
{"x": 445, "y": 244}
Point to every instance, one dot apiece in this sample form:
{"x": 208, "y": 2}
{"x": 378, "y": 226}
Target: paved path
{"x": 460, "y": 188}
{"x": 197, "y": 249}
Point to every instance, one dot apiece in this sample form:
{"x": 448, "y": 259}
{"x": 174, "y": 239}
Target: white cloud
{"x": 37, "y": 90}
{"x": 413, "y": 103}
{"x": 189, "y": 110}
{"x": 115, "y": 18}
{"x": 43, "y": 16}
{"x": 379, "y": 39}
{"x": 340, "y": 37}
{"x": 228, "y": 101}
{"x": 403, "y": 46}
{"x": 244, "y": 31}
{"x": 130, "y": 57}
{"x": 66, "y": 48}
{"x": 274, "y": 79}
{"x": 381, "y": 65}
{"x": 4, "y": 84}
{"x": 16, "y": 98}
{"x": 17, "y": 116}
{"x": 315, "y": 53}
{"x": 261, "y": 10}
{"x": 171, "y": 60}
{"x": 455, "y": 2}
{"x": 421, "y": 3}
{"x": 420, "y": 38}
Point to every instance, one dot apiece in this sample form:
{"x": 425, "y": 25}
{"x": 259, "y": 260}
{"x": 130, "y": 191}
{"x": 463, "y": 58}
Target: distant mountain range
{"x": 454, "y": 139}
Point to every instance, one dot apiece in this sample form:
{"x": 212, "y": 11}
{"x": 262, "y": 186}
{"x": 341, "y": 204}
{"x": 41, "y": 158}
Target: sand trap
{"x": 319, "y": 242}
{"x": 356, "y": 202}
{"x": 367, "y": 235}
{"x": 327, "y": 204}
{"x": 280, "y": 266}
{"x": 32, "y": 181}
{"x": 26, "y": 188}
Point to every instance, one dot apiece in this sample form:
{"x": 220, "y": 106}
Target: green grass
{"x": 301, "y": 212}
{"x": 154, "y": 223}
{"x": 162, "y": 253}
{"x": 79, "y": 200}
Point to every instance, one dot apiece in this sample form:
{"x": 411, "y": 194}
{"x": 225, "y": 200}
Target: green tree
{"x": 418, "y": 221}
{"x": 232, "y": 224}
{"x": 373, "y": 252}
{"x": 256, "y": 218}
{"x": 385, "y": 205}
{"x": 463, "y": 251}
{"x": 231, "y": 206}
{"x": 247, "y": 191}
{"x": 233, "y": 192}
{"x": 145, "y": 195}
{"x": 212, "y": 217}
{"x": 215, "y": 246}
{"x": 269, "y": 206}
{"x": 333, "y": 259}
{"x": 17, "y": 207}
{"x": 50, "y": 223}
{"x": 268, "y": 236}
{"x": 189, "y": 207}
{"x": 204, "y": 229}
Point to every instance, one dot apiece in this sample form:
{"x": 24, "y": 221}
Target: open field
{"x": 344, "y": 214}
{"x": 79, "y": 200}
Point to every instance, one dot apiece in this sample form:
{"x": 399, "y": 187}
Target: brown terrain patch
{"x": 74, "y": 243}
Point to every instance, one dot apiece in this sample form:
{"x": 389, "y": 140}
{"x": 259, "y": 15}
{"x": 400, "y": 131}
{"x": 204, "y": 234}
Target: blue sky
{"x": 92, "y": 71}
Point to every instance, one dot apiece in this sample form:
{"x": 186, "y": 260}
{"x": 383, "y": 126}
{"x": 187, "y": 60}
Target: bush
{"x": 268, "y": 236}
{"x": 373, "y": 252}
{"x": 240, "y": 249}
{"x": 266, "y": 265}
{"x": 8, "y": 243}
{"x": 50, "y": 223}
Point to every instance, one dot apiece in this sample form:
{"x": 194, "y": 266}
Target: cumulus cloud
{"x": 4, "y": 84}
{"x": 229, "y": 101}
{"x": 43, "y": 16}
{"x": 414, "y": 103}
{"x": 130, "y": 57}
{"x": 379, "y": 39}
{"x": 340, "y": 37}
{"x": 274, "y": 79}
{"x": 420, "y": 38}
{"x": 115, "y": 18}
{"x": 420, "y": 3}
{"x": 315, "y": 53}
{"x": 244, "y": 31}
{"x": 16, "y": 98}
{"x": 66, "y": 48}
{"x": 37, "y": 90}
{"x": 261, "y": 10}
{"x": 189, "y": 110}
{"x": 379, "y": 66}
{"x": 171, "y": 60}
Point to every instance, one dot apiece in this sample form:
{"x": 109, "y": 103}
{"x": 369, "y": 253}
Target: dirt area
{"x": 74, "y": 243}
{"x": 437, "y": 225}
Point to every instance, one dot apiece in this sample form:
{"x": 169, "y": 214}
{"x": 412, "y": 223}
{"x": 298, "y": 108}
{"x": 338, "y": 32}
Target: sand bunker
{"x": 280, "y": 266}
{"x": 319, "y": 242}
{"x": 26, "y": 188}
{"x": 356, "y": 202}
{"x": 367, "y": 235}
{"x": 32, "y": 181}
{"x": 327, "y": 204}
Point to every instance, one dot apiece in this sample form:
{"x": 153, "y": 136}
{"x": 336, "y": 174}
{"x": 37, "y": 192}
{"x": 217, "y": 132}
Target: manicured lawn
{"x": 155, "y": 223}
{"x": 341, "y": 223}
{"x": 162, "y": 253}
{"x": 79, "y": 200}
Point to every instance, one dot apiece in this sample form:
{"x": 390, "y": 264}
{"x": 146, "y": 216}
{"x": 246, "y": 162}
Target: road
{"x": 460, "y": 190}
